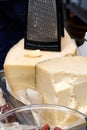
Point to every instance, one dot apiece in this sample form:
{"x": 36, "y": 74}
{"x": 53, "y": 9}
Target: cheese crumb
{"x": 33, "y": 53}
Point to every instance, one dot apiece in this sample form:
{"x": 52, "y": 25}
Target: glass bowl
{"x": 37, "y": 116}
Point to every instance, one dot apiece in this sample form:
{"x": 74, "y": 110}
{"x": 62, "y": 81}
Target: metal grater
{"x": 43, "y": 25}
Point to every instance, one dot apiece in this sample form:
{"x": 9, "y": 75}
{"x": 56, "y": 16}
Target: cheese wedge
{"x": 63, "y": 81}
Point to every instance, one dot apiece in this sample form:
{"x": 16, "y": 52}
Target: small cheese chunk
{"x": 33, "y": 53}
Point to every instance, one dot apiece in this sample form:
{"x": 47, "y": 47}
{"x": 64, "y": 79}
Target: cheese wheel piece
{"x": 20, "y": 69}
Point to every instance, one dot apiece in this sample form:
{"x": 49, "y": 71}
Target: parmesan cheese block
{"x": 20, "y": 64}
{"x": 63, "y": 81}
